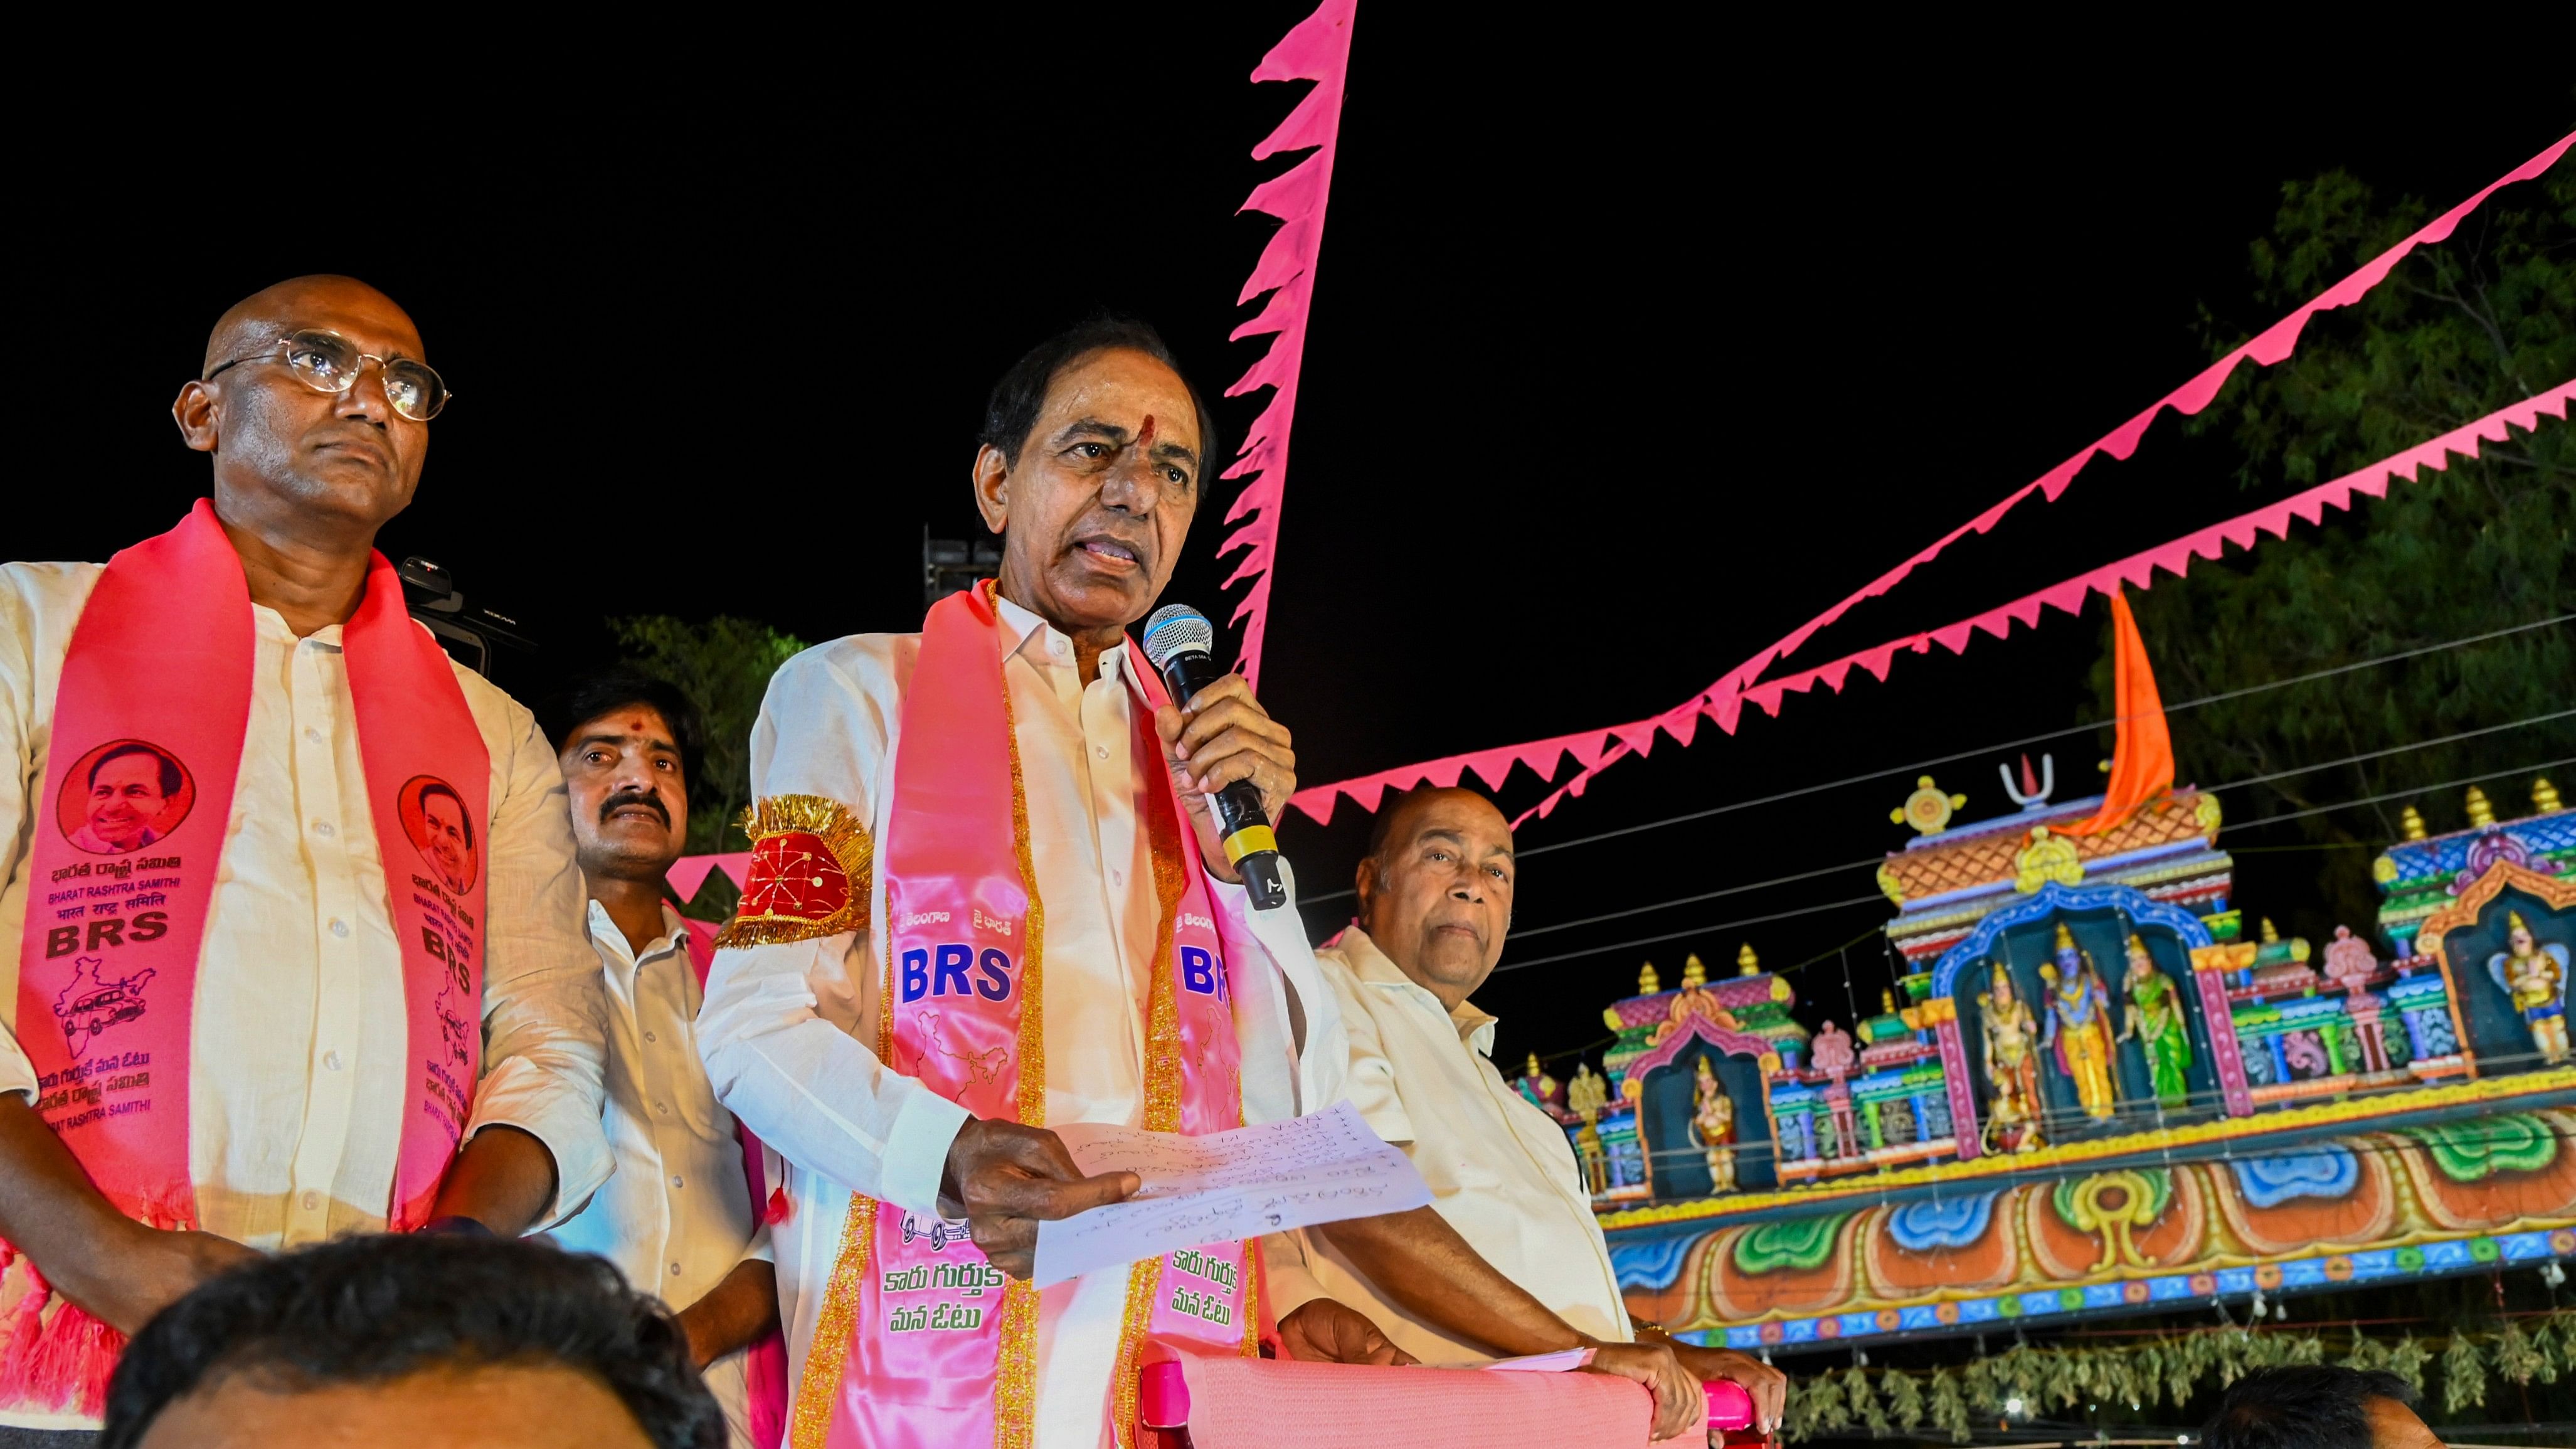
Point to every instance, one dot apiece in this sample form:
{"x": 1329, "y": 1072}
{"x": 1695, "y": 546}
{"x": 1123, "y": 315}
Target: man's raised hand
{"x": 1004, "y": 1179}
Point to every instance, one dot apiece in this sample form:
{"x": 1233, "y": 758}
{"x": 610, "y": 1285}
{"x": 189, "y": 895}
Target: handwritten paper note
{"x": 1320, "y": 1168}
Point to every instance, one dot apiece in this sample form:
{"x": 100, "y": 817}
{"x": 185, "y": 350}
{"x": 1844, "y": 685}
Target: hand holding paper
{"x": 1004, "y": 1179}
{"x": 1240, "y": 1184}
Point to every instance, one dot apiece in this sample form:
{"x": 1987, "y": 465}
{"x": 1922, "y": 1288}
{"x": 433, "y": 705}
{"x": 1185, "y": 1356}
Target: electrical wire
{"x": 2212, "y": 790}
{"x": 1837, "y": 905}
{"x": 2169, "y": 710}
{"x": 1871, "y": 899}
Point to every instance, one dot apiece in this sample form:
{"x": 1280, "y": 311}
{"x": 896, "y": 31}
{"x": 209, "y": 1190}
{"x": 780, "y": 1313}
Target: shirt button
{"x": 662, "y": 1107}
{"x": 1101, "y": 750}
{"x": 675, "y": 1270}
{"x": 331, "y": 1060}
{"x": 323, "y": 829}
{"x": 339, "y": 928}
{"x": 675, "y": 1179}
{"x": 648, "y": 1036}
{"x": 313, "y": 734}
{"x": 312, "y": 1200}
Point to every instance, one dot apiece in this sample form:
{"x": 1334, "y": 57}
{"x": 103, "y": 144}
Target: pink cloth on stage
{"x": 1241, "y": 1403}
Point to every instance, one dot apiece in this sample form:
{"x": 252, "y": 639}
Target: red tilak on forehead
{"x": 1145, "y": 439}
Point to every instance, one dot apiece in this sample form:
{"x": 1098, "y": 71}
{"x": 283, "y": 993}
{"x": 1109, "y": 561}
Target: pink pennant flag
{"x": 690, "y": 871}
{"x": 1723, "y": 701}
{"x": 1317, "y": 48}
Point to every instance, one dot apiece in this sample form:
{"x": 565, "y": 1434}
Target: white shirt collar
{"x": 1375, "y": 967}
{"x": 606, "y": 933}
{"x": 1047, "y": 644}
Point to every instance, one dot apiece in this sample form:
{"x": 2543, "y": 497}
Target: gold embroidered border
{"x": 841, "y": 833}
{"x": 1015, "y": 1369}
{"x": 1162, "y": 1100}
{"x": 829, "y": 1356}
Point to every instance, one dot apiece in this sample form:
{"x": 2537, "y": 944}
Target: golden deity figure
{"x": 1537, "y": 1087}
{"x": 1713, "y": 1128}
{"x": 2535, "y": 976}
{"x": 2012, "y": 1066}
{"x": 2154, "y": 1019}
{"x": 2078, "y": 1032}
{"x": 1586, "y": 1096}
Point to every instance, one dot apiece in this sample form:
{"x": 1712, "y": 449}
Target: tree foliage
{"x": 2455, "y": 332}
{"x": 724, "y": 665}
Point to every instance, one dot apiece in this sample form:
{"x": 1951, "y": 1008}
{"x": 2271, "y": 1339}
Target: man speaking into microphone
{"x": 989, "y": 894}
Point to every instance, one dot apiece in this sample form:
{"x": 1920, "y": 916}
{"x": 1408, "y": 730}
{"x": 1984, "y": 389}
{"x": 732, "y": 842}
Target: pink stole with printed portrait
{"x": 159, "y": 669}
{"x": 922, "y": 1343}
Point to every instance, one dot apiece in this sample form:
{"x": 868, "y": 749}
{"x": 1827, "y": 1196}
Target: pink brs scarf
{"x": 921, "y": 1343}
{"x": 147, "y": 739}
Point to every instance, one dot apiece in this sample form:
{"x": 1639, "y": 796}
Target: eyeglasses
{"x": 325, "y": 361}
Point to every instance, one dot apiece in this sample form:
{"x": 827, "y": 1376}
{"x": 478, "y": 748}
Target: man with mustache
{"x": 678, "y": 1217}
{"x": 306, "y": 1044}
{"x": 987, "y": 897}
{"x": 1508, "y": 1259}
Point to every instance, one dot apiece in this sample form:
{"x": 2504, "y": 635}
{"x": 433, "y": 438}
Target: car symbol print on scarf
{"x": 92, "y": 1004}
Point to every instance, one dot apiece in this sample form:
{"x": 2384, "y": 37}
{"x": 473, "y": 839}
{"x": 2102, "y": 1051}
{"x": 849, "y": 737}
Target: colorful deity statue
{"x": 2154, "y": 1018}
{"x": 1537, "y": 1087}
{"x": 2012, "y": 1066}
{"x": 2536, "y": 977}
{"x": 2078, "y": 1032}
{"x": 1713, "y": 1128}
{"x": 1587, "y": 1096}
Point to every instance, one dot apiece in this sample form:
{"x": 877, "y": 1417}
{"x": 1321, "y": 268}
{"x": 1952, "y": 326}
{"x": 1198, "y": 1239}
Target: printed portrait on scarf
{"x": 122, "y": 796}
{"x": 435, "y": 820}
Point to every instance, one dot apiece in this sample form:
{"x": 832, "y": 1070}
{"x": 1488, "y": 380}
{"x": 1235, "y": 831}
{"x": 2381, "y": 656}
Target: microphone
{"x": 1176, "y": 642}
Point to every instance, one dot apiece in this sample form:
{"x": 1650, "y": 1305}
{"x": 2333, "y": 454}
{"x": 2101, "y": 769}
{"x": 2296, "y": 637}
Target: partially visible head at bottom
{"x": 2318, "y": 1407}
{"x": 427, "y": 1342}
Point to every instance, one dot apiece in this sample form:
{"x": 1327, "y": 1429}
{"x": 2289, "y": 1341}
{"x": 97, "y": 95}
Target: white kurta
{"x": 676, "y": 1217}
{"x": 788, "y": 1030}
{"x": 1501, "y": 1171}
{"x": 300, "y": 1034}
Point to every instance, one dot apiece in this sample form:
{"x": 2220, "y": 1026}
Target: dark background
{"x": 1631, "y": 350}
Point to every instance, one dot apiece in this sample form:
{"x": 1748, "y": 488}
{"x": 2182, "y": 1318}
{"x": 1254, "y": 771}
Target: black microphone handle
{"x": 1238, "y": 806}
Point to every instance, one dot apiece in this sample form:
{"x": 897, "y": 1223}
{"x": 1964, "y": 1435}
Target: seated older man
{"x": 1508, "y": 1259}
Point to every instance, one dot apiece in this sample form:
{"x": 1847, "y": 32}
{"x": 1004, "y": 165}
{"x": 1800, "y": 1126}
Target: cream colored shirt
{"x": 1501, "y": 1171}
{"x": 787, "y": 1030}
{"x": 300, "y": 1034}
{"x": 676, "y": 1217}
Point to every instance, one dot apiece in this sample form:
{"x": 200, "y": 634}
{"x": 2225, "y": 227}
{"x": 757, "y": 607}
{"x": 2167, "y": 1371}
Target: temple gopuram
{"x": 2090, "y": 1086}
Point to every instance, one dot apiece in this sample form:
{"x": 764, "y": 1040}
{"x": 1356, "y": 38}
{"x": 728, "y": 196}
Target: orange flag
{"x": 2142, "y": 763}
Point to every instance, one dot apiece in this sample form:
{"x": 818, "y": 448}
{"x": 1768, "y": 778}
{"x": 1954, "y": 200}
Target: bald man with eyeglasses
{"x": 292, "y": 1014}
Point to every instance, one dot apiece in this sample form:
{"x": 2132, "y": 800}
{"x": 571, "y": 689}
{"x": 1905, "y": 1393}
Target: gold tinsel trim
{"x": 829, "y": 1356}
{"x": 1162, "y": 1101}
{"x": 1144, "y": 1283}
{"x": 831, "y": 822}
{"x": 1032, "y": 1065}
{"x": 1015, "y": 1367}
{"x": 1015, "y": 1371}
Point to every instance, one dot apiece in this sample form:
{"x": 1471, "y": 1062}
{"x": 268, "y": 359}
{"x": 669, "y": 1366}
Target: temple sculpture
{"x": 2154, "y": 1019}
{"x": 2024, "y": 1132}
{"x": 2012, "y": 1068}
{"x": 2078, "y": 1033}
{"x": 2535, "y": 976}
{"x": 1713, "y": 1128}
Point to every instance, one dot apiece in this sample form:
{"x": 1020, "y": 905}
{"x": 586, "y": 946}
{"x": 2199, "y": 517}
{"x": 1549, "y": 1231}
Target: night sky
{"x": 1630, "y": 351}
